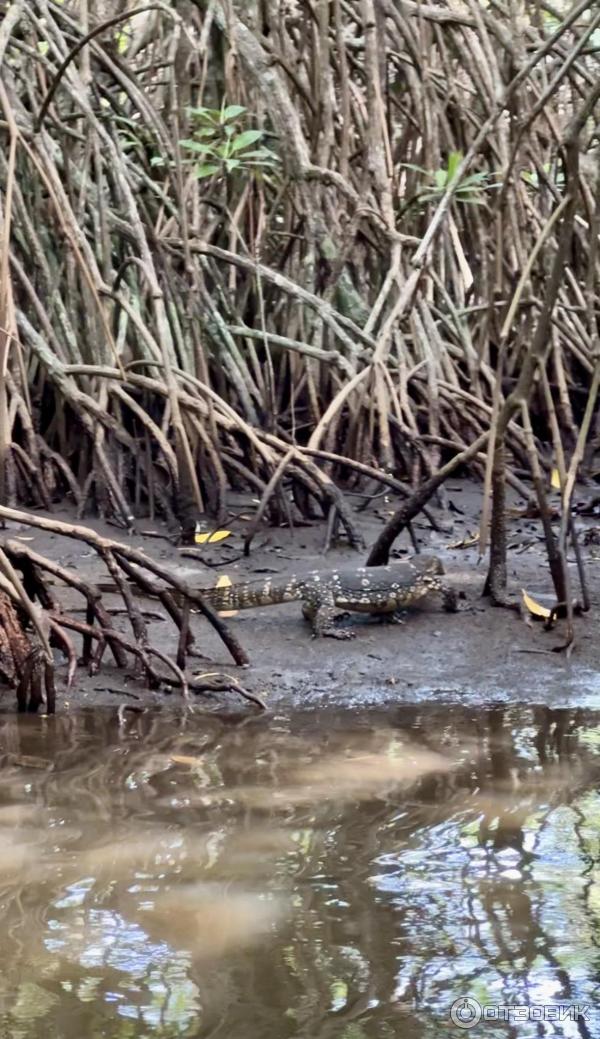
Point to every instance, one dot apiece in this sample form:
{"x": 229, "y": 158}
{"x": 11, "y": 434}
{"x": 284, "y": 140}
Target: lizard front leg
{"x": 449, "y": 599}
{"x": 448, "y": 595}
{"x": 322, "y": 613}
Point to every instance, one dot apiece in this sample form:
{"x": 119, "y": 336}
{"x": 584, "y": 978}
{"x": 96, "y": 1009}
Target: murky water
{"x": 320, "y": 875}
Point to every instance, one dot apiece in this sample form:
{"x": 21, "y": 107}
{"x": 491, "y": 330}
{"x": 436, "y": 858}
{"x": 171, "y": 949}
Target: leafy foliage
{"x": 221, "y": 145}
{"x": 468, "y": 191}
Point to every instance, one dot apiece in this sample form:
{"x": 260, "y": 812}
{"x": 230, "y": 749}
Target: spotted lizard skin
{"x": 324, "y": 594}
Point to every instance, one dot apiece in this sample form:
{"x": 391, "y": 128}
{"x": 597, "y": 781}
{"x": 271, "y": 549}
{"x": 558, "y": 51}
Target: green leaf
{"x": 245, "y": 139}
{"x": 206, "y": 131}
{"x": 122, "y": 120}
{"x": 232, "y": 112}
{"x": 123, "y": 39}
{"x": 454, "y": 161}
{"x": 417, "y": 169}
{"x": 206, "y": 170}
{"x": 232, "y": 164}
{"x": 212, "y": 115}
{"x": 195, "y": 146}
{"x": 261, "y": 153}
{"x": 440, "y": 178}
{"x": 157, "y": 160}
{"x": 474, "y": 179}
{"x": 260, "y": 164}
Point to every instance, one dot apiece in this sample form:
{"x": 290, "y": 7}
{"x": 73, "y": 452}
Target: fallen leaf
{"x": 185, "y": 759}
{"x": 466, "y": 542}
{"x": 210, "y": 537}
{"x": 535, "y": 608}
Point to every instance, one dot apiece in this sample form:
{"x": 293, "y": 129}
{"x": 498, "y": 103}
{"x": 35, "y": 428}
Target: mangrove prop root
{"x": 20, "y": 659}
{"x": 379, "y": 554}
{"x": 23, "y": 663}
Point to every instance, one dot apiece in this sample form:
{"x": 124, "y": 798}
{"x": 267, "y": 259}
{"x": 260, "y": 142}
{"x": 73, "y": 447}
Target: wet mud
{"x": 475, "y": 656}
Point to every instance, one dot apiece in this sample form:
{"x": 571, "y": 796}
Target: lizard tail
{"x": 244, "y": 596}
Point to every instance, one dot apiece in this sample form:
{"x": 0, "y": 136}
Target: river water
{"x": 319, "y": 874}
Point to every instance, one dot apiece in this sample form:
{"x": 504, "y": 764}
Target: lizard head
{"x": 425, "y": 564}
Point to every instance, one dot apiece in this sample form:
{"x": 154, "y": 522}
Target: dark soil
{"x": 479, "y": 654}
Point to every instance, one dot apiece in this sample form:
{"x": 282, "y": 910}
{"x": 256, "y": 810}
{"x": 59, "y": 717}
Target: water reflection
{"x": 319, "y": 875}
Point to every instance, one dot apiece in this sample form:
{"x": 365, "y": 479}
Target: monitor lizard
{"x": 380, "y": 590}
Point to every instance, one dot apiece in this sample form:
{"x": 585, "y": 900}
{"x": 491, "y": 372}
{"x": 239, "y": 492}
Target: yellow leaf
{"x": 535, "y": 608}
{"x": 555, "y": 480}
{"x": 208, "y": 537}
{"x": 225, "y": 582}
{"x": 467, "y": 542}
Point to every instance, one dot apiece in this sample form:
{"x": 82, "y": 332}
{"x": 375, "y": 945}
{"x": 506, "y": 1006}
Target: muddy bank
{"x": 474, "y": 656}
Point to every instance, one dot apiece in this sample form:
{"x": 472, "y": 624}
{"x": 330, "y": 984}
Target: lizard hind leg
{"x": 322, "y": 616}
{"x": 392, "y": 617}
